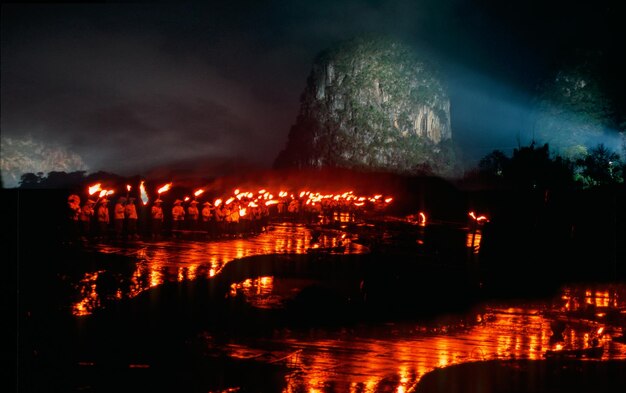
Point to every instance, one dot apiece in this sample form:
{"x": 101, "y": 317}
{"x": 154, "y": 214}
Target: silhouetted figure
{"x": 73, "y": 213}
{"x": 103, "y": 218}
{"x": 86, "y": 215}
{"x": 192, "y": 215}
{"x": 118, "y": 217}
{"x": 156, "y": 219}
{"x": 130, "y": 212}
{"x": 178, "y": 215}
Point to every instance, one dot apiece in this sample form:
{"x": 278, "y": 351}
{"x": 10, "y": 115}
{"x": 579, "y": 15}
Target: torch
{"x": 143, "y": 193}
{"x": 93, "y": 189}
{"x": 164, "y": 189}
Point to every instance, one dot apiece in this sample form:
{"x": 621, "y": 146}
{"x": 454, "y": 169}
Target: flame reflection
{"x": 176, "y": 261}
{"x": 473, "y": 239}
{"x": 394, "y": 357}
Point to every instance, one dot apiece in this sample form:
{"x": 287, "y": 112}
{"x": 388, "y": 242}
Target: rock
{"x": 372, "y": 104}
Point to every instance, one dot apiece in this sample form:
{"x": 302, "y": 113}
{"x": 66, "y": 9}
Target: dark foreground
{"x": 353, "y": 317}
{"x": 529, "y": 376}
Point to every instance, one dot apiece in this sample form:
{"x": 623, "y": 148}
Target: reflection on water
{"x": 473, "y": 240}
{"x": 393, "y": 357}
{"x": 258, "y": 290}
{"x": 176, "y": 261}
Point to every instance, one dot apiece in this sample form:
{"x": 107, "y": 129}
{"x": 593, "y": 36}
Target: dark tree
{"x": 600, "y": 167}
{"x": 493, "y": 164}
{"x": 31, "y": 180}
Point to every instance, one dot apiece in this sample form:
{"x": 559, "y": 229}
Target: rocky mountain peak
{"x": 371, "y": 104}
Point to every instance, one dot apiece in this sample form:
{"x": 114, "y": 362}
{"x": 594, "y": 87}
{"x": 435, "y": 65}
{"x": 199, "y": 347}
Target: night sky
{"x": 128, "y": 88}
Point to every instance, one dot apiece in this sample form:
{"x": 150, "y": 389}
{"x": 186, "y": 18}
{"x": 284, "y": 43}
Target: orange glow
{"x": 229, "y": 201}
{"x": 252, "y": 204}
{"x": 164, "y": 188}
{"x": 110, "y": 192}
{"x": 217, "y": 202}
{"x": 600, "y": 330}
{"x": 262, "y": 191}
{"x": 143, "y": 193}
{"x": 479, "y": 218}
{"x": 272, "y": 202}
{"x": 186, "y": 198}
{"x": 388, "y": 200}
{"x": 242, "y": 211}
{"x": 236, "y": 191}
{"x": 95, "y": 188}
{"x": 102, "y": 193}
{"x": 198, "y": 192}
{"x": 128, "y": 187}
{"x": 422, "y": 220}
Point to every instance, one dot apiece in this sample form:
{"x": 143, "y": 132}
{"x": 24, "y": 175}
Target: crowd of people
{"x": 126, "y": 219}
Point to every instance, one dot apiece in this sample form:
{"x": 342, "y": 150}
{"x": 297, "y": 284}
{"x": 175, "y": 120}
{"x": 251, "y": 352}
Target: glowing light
{"x": 422, "y": 219}
{"x": 186, "y": 198}
{"x": 262, "y": 191}
{"x": 128, "y": 187}
{"x": 110, "y": 192}
{"x": 164, "y": 188}
{"x": 229, "y": 200}
{"x": 217, "y": 202}
{"x": 198, "y": 192}
{"x": 236, "y": 191}
{"x": 272, "y": 202}
{"x": 95, "y": 188}
{"x": 479, "y": 218}
{"x": 143, "y": 193}
{"x": 388, "y": 200}
{"x": 242, "y": 211}
{"x": 102, "y": 193}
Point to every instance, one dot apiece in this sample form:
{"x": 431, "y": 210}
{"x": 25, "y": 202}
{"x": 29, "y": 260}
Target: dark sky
{"x": 128, "y": 87}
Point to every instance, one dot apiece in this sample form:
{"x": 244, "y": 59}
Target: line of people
{"x": 96, "y": 219}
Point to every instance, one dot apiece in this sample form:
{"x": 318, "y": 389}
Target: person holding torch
{"x": 156, "y": 216}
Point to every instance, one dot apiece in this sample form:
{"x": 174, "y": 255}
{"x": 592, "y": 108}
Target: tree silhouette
{"x": 600, "y": 167}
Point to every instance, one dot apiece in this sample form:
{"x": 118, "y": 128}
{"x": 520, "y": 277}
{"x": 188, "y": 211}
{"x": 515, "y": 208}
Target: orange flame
{"x": 242, "y": 211}
{"x": 271, "y": 202}
{"x": 229, "y": 201}
{"x": 388, "y": 200}
{"x": 422, "y": 220}
{"x": 102, "y": 193}
{"x": 186, "y": 198}
{"x": 110, "y": 192}
{"x": 143, "y": 193}
{"x": 479, "y": 218}
{"x": 217, "y": 202}
{"x": 164, "y": 188}
{"x": 199, "y": 192}
{"x": 95, "y": 188}
{"x": 128, "y": 187}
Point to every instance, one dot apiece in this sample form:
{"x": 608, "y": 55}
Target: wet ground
{"x": 281, "y": 311}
